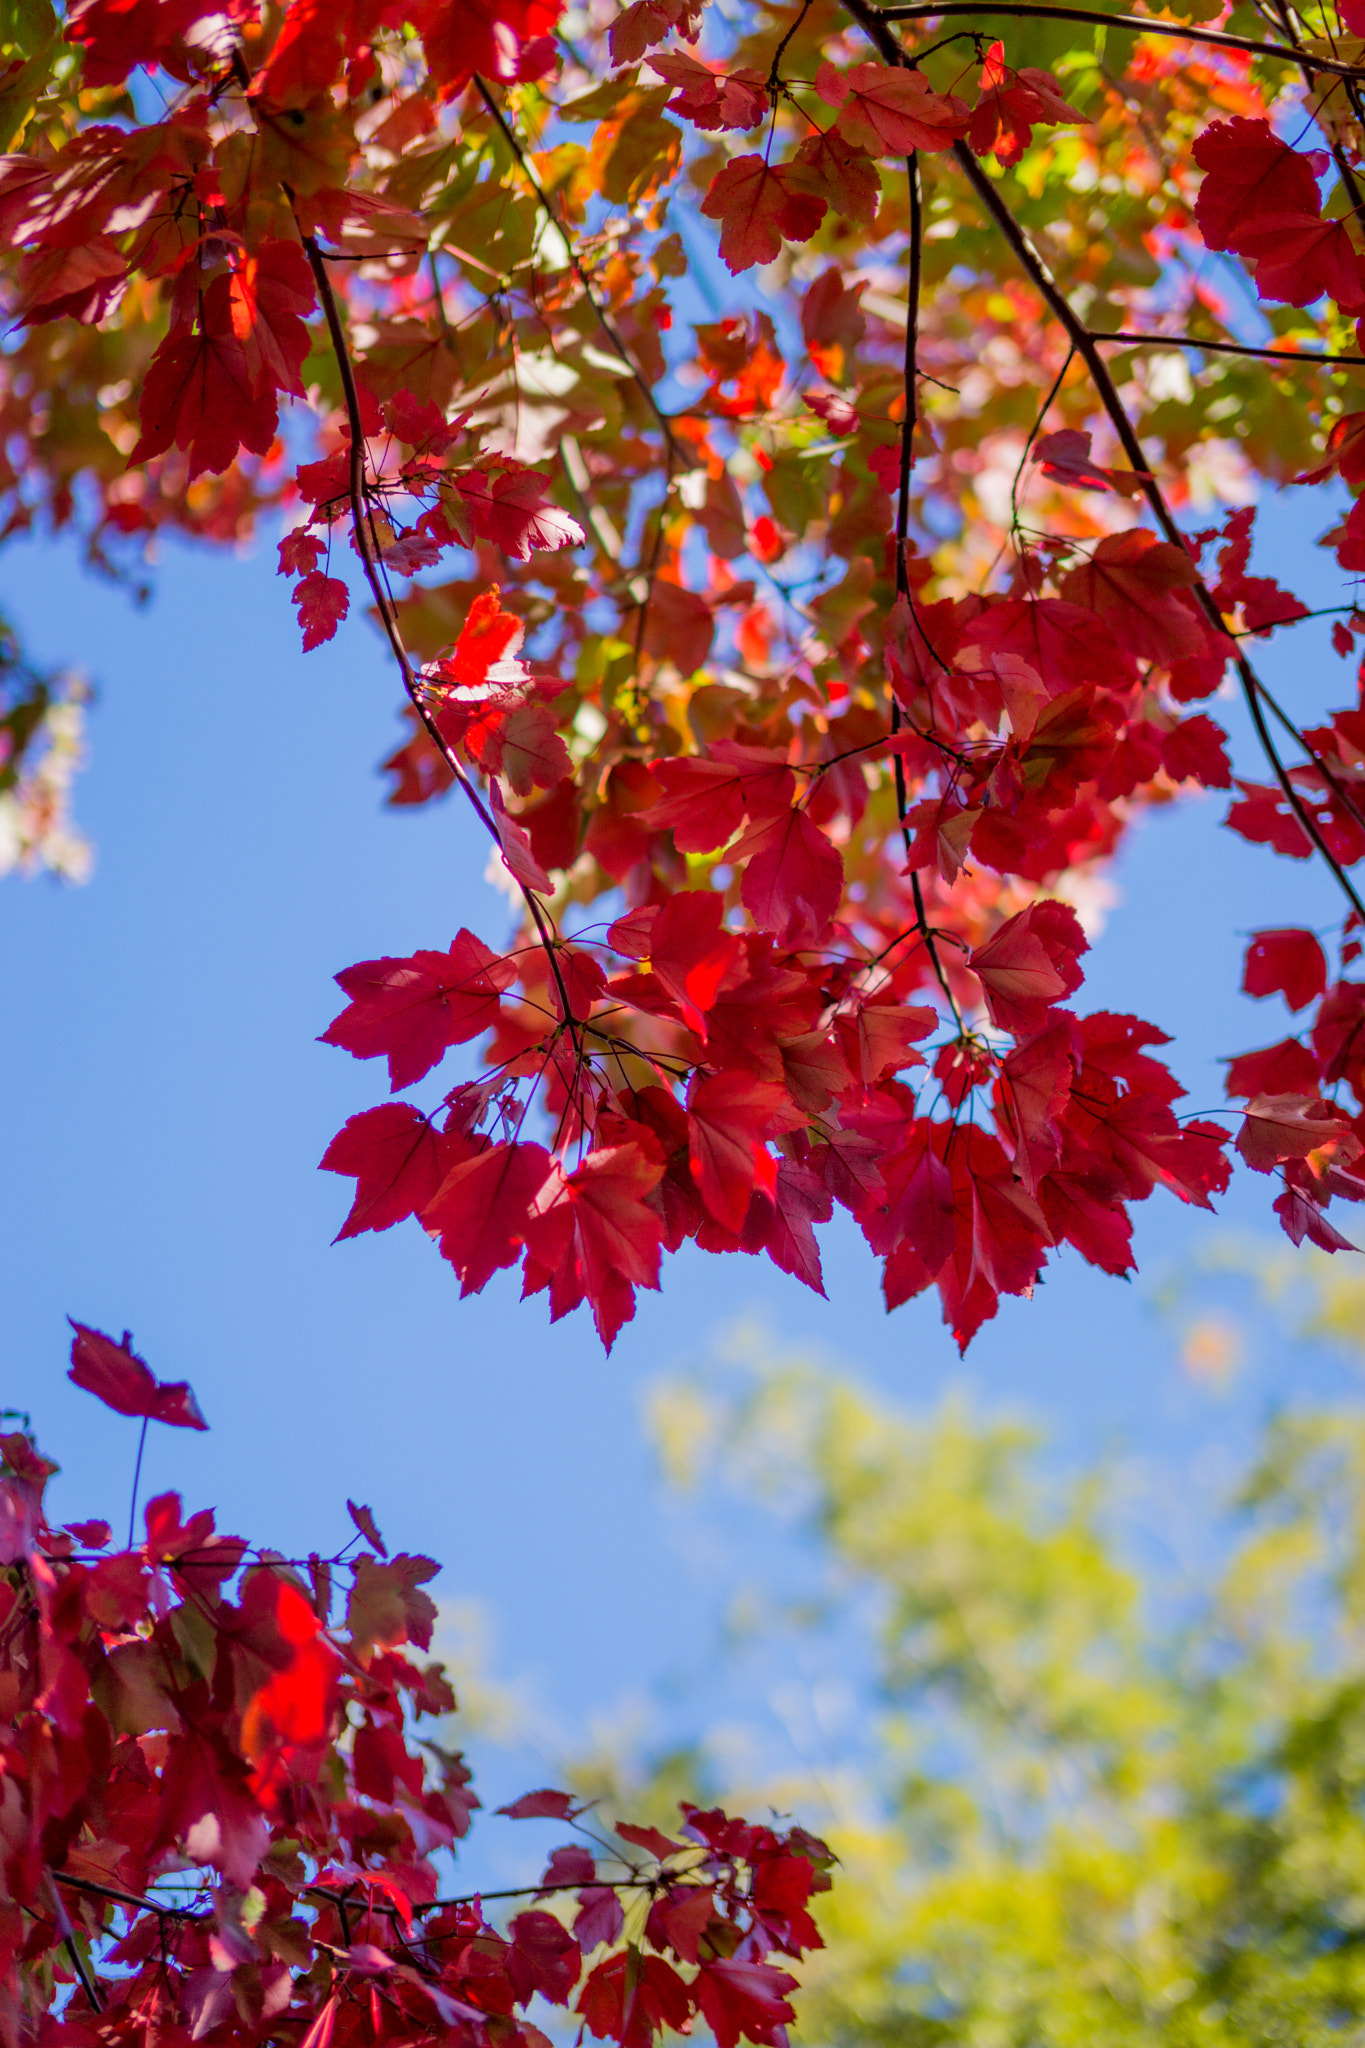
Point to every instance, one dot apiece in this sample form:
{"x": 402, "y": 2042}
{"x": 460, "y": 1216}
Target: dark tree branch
{"x": 873, "y": 22}
{"x": 369, "y": 556}
{"x": 1037, "y": 10}
{"x": 1226, "y": 348}
{"x": 915, "y": 273}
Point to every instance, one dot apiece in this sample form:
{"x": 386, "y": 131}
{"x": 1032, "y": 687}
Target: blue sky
{"x": 168, "y": 1102}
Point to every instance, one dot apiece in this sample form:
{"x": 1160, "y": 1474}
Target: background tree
{"x": 1090, "y": 1784}
{"x": 861, "y": 618}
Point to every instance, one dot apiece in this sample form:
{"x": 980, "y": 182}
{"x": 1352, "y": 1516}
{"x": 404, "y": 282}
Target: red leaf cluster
{"x": 221, "y": 1824}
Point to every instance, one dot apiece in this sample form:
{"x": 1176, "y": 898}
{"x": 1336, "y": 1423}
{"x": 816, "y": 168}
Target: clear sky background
{"x": 167, "y": 1103}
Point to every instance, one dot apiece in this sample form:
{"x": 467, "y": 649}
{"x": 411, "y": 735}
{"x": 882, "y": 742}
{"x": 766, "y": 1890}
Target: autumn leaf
{"x": 890, "y": 111}
{"x": 793, "y": 876}
{"x": 271, "y": 296}
{"x": 323, "y": 603}
{"x": 728, "y": 1119}
{"x": 1139, "y": 586}
{"x": 1287, "y": 963}
{"x": 746, "y": 2001}
{"x": 123, "y": 1381}
{"x": 544, "y": 1805}
{"x": 386, "y": 1606}
{"x": 759, "y": 205}
{"x": 1280, "y": 1127}
{"x": 481, "y": 1212}
{"x": 1249, "y": 173}
{"x": 412, "y": 1010}
{"x": 199, "y": 396}
{"x": 512, "y": 509}
{"x": 398, "y": 1160}
{"x": 1029, "y": 965}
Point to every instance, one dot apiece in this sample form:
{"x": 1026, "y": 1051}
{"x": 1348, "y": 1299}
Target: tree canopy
{"x": 802, "y": 463}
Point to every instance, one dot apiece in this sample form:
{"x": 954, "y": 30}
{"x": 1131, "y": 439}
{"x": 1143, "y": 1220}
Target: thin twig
{"x": 908, "y": 425}
{"x": 1034, "y": 10}
{"x": 137, "y": 1474}
{"x": 1226, "y": 348}
{"x": 365, "y": 545}
{"x": 78, "y": 1965}
{"x": 122, "y": 1898}
{"x": 604, "y": 318}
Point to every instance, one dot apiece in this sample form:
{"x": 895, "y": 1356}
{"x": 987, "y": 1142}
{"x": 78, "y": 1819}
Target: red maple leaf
{"x": 116, "y": 36}
{"x": 1265, "y": 817}
{"x": 1008, "y": 105}
{"x": 199, "y": 395}
{"x": 271, "y": 296}
{"x": 1299, "y": 256}
{"x": 729, "y": 1116}
{"x": 414, "y": 1009}
{"x": 512, "y": 508}
{"x": 707, "y": 798}
{"x": 123, "y": 1381}
{"x": 398, "y": 1160}
{"x": 759, "y": 205}
{"x": 595, "y": 1229}
{"x": 517, "y": 852}
{"x": 1140, "y": 586}
{"x": 1250, "y": 173}
{"x": 793, "y": 879}
{"x": 890, "y": 110}
{"x": 482, "y": 1210}
{"x": 323, "y": 603}
{"x": 287, "y": 1722}
{"x": 691, "y": 953}
{"x": 631, "y": 1998}
{"x": 1030, "y": 964}
{"x": 744, "y": 2000}
{"x": 1288, "y": 963}
{"x": 1288, "y": 1068}
{"x": 1300, "y": 1216}
{"x": 1280, "y": 1127}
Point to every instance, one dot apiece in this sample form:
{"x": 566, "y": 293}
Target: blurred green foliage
{"x": 1082, "y": 1800}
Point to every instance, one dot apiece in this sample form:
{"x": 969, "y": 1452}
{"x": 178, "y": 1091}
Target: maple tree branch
{"x": 1107, "y": 392}
{"x": 873, "y": 22}
{"x": 774, "y": 80}
{"x": 78, "y": 1965}
{"x": 608, "y": 325}
{"x": 122, "y": 1898}
{"x": 533, "y": 178}
{"x": 1225, "y": 348}
{"x": 364, "y": 539}
{"x": 1339, "y": 158}
{"x": 1035, "y": 10}
{"x": 908, "y": 424}
{"x": 911, "y": 420}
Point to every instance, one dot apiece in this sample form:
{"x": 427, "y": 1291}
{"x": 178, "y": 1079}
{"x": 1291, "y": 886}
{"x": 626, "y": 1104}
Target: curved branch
{"x": 369, "y": 557}
{"x": 908, "y": 425}
{"x": 1227, "y": 348}
{"x": 873, "y": 21}
{"x": 1037, "y": 10}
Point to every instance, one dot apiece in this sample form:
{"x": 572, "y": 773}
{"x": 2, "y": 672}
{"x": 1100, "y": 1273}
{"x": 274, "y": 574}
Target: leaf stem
{"x": 137, "y": 1474}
